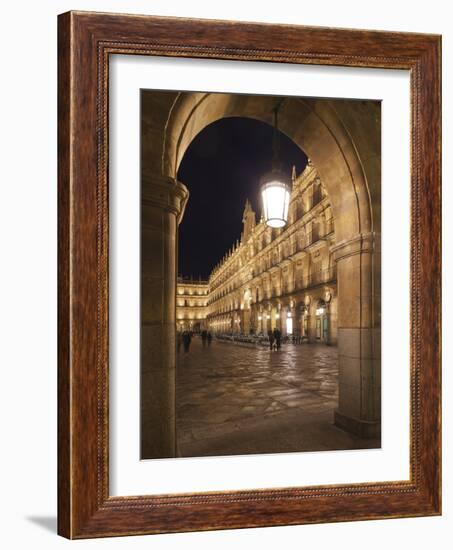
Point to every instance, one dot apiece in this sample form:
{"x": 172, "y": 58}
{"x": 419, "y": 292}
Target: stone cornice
{"x": 316, "y": 245}
{"x": 286, "y": 261}
{"x": 364, "y": 242}
{"x": 299, "y": 255}
{"x": 166, "y": 193}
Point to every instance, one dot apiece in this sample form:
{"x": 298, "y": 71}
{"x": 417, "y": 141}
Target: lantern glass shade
{"x": 275, "y": 194}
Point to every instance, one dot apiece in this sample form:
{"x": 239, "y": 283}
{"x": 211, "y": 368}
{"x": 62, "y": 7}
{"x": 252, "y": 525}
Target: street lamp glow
{"x": 275, "y": 194}
{"x": 275, "y": 185}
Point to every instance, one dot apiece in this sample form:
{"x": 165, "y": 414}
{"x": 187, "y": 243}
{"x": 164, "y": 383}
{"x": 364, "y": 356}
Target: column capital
{"x": 166, "y": 193}
{"x": 363, "y": 242}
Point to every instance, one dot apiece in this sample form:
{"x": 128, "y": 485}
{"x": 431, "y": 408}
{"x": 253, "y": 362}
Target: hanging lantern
{"x": 275, "y": 193}
{"x": 275, "y": 186}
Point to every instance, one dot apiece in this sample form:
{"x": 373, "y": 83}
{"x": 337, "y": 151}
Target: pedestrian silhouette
{"x": 270, "y": 335}
{"x": 278, "y": 338}
{"x": 186, "y": 339}
{"x": 204, "y": 335}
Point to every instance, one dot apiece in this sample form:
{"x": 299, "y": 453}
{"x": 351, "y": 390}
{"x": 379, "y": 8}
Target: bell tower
{"x": 248, "y": 221}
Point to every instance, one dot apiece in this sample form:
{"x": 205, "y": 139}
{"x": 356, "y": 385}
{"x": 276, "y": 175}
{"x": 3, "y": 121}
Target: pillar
{"x": 328, "y": 339}
{"x": 333, "y": 318}
{"x": 162, "y": 206}
{"x": 359, "y": 336}
{"x": 311, "y": 318}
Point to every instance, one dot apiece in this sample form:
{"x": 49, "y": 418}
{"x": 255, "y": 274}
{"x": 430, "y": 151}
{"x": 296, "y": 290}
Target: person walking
{"x": 278, "y": 338}
{"x": 204, "y": 335}
{"x": 209, "y": 337}
{"x": 270, "y": 335}
{"x": 186, "y": 339}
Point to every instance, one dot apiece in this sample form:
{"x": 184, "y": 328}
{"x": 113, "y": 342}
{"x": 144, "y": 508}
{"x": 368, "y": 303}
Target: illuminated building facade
{"x": 191, "y": 304}
{"x": 281, "y": 278}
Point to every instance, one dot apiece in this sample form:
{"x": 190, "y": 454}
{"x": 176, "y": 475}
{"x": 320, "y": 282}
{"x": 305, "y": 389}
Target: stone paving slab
{"x": 240, "y": 399}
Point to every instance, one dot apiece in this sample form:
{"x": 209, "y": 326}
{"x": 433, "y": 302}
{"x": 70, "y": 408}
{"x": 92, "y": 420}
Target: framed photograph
{"x": 249, "y": 275}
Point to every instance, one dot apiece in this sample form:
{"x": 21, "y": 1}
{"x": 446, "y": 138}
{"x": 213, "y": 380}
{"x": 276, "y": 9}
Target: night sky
{"x": 221, "y": 168}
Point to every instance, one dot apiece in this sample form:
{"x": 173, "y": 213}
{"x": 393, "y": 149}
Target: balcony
{"x": 315, "y": 278}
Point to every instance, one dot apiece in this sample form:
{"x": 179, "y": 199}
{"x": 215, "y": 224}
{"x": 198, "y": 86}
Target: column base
{"x": 366, "y": 429}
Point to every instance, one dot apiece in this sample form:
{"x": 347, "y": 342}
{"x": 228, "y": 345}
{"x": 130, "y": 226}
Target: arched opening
{"x": 221, "y": 168}
{"x": 315, "y": 126}
{"x": 342, "y": 140}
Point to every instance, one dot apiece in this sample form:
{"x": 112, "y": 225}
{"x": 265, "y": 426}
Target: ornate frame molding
{"x": 85, "y": 41}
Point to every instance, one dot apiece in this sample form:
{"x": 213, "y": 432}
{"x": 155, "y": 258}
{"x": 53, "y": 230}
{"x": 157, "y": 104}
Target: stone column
{"x": 359, "y": 336}
{"x": 312, "y": 322}
{"x": 327, "y": 315}
{"x": 162, "y": 206}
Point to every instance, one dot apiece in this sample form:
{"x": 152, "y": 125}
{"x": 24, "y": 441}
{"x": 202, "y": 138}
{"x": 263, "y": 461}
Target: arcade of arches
{"x": 319, "y": 278}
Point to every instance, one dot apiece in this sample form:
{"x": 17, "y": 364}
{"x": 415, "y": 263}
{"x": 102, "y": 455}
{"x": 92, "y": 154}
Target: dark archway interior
{"x": 221, "y": 168}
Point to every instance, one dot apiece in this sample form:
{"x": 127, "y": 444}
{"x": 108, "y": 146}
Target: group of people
{"x": 275, "y": 339}
{"x": 185, "y": 338}
{"x": 206, "y": 337}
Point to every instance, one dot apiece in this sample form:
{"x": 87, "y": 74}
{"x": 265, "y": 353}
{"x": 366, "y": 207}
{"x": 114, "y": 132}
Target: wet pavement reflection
{"x": 242, "y": 399}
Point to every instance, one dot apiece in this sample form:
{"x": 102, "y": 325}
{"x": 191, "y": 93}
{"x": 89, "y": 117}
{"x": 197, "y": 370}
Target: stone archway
{"x": 342, "y": 140}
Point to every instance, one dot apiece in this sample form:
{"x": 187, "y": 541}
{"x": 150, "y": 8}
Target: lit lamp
{"x": 275, "y": 186}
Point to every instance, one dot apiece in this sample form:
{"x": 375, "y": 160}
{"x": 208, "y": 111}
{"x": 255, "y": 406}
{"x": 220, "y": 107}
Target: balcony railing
{"x": 316, "y": 278}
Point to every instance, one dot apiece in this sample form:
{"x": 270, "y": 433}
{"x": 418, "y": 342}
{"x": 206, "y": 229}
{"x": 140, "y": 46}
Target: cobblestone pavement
{"x": 237, "y": 399}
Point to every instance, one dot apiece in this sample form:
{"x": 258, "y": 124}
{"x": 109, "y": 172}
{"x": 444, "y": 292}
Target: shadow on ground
{"x": 49, "y": 523}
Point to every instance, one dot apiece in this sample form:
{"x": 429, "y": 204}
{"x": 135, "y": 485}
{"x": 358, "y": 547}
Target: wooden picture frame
{"x": 85, "y": 42}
